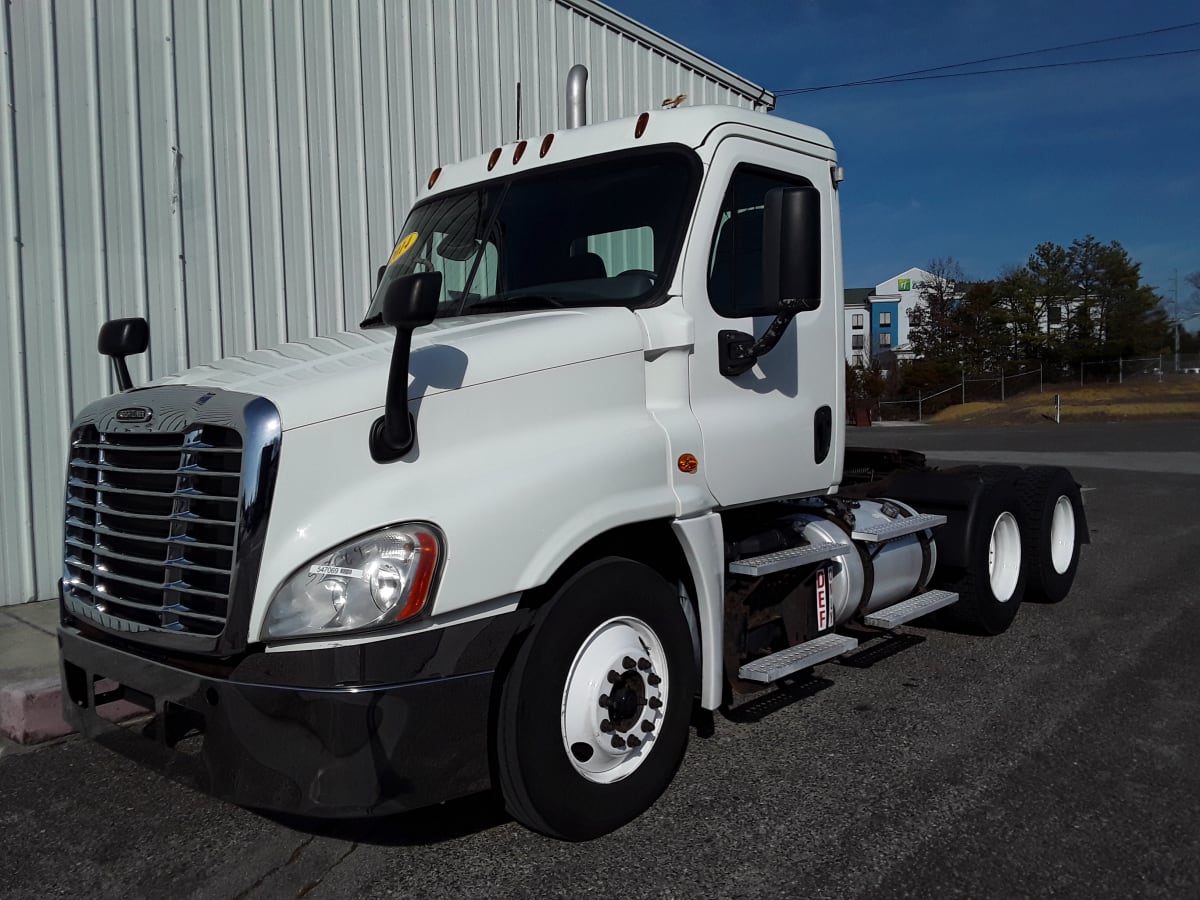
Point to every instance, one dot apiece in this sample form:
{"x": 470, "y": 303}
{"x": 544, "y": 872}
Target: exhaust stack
{"x": 577, "y": 96}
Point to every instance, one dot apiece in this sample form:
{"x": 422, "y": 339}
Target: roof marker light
{"x": 433, "y": 177}
{"x": 493, "y": 159}
{"x": 642, "y": 122}
{"x": 519, "y": 152}
{"x": 546, "y": 142}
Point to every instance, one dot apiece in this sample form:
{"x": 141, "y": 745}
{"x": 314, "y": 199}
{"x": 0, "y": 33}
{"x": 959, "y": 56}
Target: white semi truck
{"x": 580, "y": 473}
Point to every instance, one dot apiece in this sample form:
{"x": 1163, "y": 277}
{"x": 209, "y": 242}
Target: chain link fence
{"x": 1004, "y": 385}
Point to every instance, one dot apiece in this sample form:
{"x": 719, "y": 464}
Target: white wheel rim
{"x": 1004, "y": 557}
{"x": 1062, "y": 535}
{"x": 641, "y": 690}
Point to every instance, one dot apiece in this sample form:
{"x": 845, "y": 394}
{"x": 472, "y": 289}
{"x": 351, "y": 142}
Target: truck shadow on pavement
{"x": 447, "y": 821}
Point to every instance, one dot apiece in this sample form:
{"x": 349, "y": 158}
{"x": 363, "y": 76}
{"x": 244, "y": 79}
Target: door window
{"x": 735, "y": 282}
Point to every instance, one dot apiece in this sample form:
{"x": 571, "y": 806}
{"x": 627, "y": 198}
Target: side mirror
{"x": 791, "y": 274}
{"x": 410, "y": 302}
{"x": 120, "y": 338}
{"x": 792, "y": 249}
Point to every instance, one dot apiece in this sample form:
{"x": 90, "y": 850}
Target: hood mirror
{"x": 410, "y": 302}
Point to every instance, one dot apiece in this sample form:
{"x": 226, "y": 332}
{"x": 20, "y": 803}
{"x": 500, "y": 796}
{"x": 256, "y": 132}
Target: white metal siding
{"x": 235, "y": 171}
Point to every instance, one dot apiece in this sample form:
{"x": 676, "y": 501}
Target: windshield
{"x": 600, "y": 233}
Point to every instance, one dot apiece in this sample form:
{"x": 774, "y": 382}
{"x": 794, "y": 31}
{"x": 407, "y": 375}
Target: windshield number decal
{"x": 404, "y": 246}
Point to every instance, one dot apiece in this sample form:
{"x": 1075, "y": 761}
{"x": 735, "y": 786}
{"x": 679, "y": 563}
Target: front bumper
{"x": 308, "y": 750}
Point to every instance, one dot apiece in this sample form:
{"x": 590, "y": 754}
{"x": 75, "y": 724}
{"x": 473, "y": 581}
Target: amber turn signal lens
{"x": 688, "y": 463}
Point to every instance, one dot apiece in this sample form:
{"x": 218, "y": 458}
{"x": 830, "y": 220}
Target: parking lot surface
{"x": 1056, "y": 759}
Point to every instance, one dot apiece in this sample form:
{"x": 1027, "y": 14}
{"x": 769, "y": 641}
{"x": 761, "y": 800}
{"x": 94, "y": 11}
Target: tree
{"x": 933, "y": 324}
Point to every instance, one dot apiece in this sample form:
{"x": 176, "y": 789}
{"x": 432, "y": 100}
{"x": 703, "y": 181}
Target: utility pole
{"x": 1176, "y": 321}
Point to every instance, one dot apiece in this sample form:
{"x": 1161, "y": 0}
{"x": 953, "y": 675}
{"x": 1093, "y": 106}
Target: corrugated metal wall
{"x": 234, "y": 171}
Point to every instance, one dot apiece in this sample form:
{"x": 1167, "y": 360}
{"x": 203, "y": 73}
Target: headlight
{"x": 382, "y": 577}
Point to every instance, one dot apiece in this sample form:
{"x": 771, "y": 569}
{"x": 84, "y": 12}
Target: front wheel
{"x": 593, "y": 717}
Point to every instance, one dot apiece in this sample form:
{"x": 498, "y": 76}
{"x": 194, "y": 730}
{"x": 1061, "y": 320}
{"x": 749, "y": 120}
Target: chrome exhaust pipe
{"x": 577, "y": 96}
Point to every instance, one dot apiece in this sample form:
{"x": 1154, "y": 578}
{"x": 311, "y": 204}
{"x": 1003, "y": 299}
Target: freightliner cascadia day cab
{"x": 580, "y": 473}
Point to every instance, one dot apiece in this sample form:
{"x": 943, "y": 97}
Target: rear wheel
{"x": 1053, "y": 527}
{"x": 593, "y": 718}
{"x": 992, "y": 584}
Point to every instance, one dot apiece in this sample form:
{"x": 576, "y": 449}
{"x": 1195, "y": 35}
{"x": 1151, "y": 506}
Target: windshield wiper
{"x": 507, "y": 302}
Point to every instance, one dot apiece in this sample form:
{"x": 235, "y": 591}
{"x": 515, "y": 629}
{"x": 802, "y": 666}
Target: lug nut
{"x": 654, "y": 703}
{"x": 647, "y": 726}
{"x": 644, "y": 664}
{"x": 605, "y": 701}
{"x": 634, "y": 741}
{"x": 618, "y": 742}
{"x": 653, "y": 680}
{"x": 613, "y": 676}
{"x": 628, "y": 662}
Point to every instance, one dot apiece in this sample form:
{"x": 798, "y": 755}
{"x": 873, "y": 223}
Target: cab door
{"x": 774, "y": 431}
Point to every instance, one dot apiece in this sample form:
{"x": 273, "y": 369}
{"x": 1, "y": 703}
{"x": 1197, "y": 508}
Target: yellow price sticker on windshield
{"x": 404, "y": 246}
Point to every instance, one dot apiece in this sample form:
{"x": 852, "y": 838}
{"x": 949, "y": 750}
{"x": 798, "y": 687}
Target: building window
{"x": 885, "y": 339}
{"x": 885, "y": 320}
{"x": 858, "y": 320}
{"x": 1054, "y": 312}
{"x": 857, "y": 342}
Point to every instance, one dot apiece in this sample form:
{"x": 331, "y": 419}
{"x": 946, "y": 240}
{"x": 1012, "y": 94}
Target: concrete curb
{"x": 31, "y": 711}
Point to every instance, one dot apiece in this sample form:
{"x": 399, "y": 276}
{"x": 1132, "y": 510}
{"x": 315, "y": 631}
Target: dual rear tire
{"x": 1026, "y": 532}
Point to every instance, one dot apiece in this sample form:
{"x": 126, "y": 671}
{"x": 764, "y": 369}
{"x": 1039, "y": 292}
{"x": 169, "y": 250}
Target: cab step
{"x": 794, "y": 659}
{"x": 921, "y": 605}
{"x": 877, "y": 533}
{"x": 769, "y": 563}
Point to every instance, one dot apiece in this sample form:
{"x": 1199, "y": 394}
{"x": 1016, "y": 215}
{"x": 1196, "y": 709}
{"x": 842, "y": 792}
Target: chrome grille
{"x": 151, "y": 526}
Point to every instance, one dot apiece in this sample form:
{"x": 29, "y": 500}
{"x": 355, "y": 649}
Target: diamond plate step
{"x": 914, "y": 608}
{"x": 872, "y": 533}
{"x": 793, "y": 659}
{"x": 788, "y": 559}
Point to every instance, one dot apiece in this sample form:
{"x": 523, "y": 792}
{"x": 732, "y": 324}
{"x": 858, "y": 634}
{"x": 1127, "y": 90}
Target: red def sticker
{"x": 822, "y": 602}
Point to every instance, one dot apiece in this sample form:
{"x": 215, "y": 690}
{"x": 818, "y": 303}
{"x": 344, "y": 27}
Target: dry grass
{"x": 1172, "y": 398}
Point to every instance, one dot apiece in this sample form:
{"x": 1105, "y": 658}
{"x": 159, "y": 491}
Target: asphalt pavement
{"x": 1058, "y": 759}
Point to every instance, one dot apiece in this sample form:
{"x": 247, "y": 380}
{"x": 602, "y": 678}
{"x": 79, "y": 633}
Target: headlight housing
{"x": 382, "y": 577}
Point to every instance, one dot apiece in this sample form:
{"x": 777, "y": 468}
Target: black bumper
{"x": 308, "y": 750}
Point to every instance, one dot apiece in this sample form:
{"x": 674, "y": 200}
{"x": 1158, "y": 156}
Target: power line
{"x": 1061, "y": 65}
{"x": 908, "y": 76}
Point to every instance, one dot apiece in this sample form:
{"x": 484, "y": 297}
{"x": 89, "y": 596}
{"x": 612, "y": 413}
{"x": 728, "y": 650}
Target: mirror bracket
{"x": 737, "y": 352}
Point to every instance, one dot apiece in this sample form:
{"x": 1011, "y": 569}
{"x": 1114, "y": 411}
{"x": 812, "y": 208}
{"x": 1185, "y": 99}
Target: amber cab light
{"x": 434, "y": 175}
{"x": 519, "y": 152}
{"x": 493, "y": 159}
{"x": 546, "y": 142}
{"x": 642, "y": 122}
{"x": 423, "y": 579}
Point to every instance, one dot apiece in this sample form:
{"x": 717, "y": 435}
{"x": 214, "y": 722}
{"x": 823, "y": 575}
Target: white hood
{"x": 325, "y": 377}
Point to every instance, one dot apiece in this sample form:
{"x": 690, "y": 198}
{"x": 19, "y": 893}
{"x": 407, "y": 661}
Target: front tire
{"x": 593, "y": 716}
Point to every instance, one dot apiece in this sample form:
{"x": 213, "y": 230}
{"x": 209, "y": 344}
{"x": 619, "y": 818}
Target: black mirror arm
{"x": 394, "y": 433}
{"x": 124, "y": 381}
{"x": 738, "y": 351}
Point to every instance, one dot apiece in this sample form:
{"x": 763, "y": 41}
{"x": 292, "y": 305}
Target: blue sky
{"x": 982, "y": 168}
